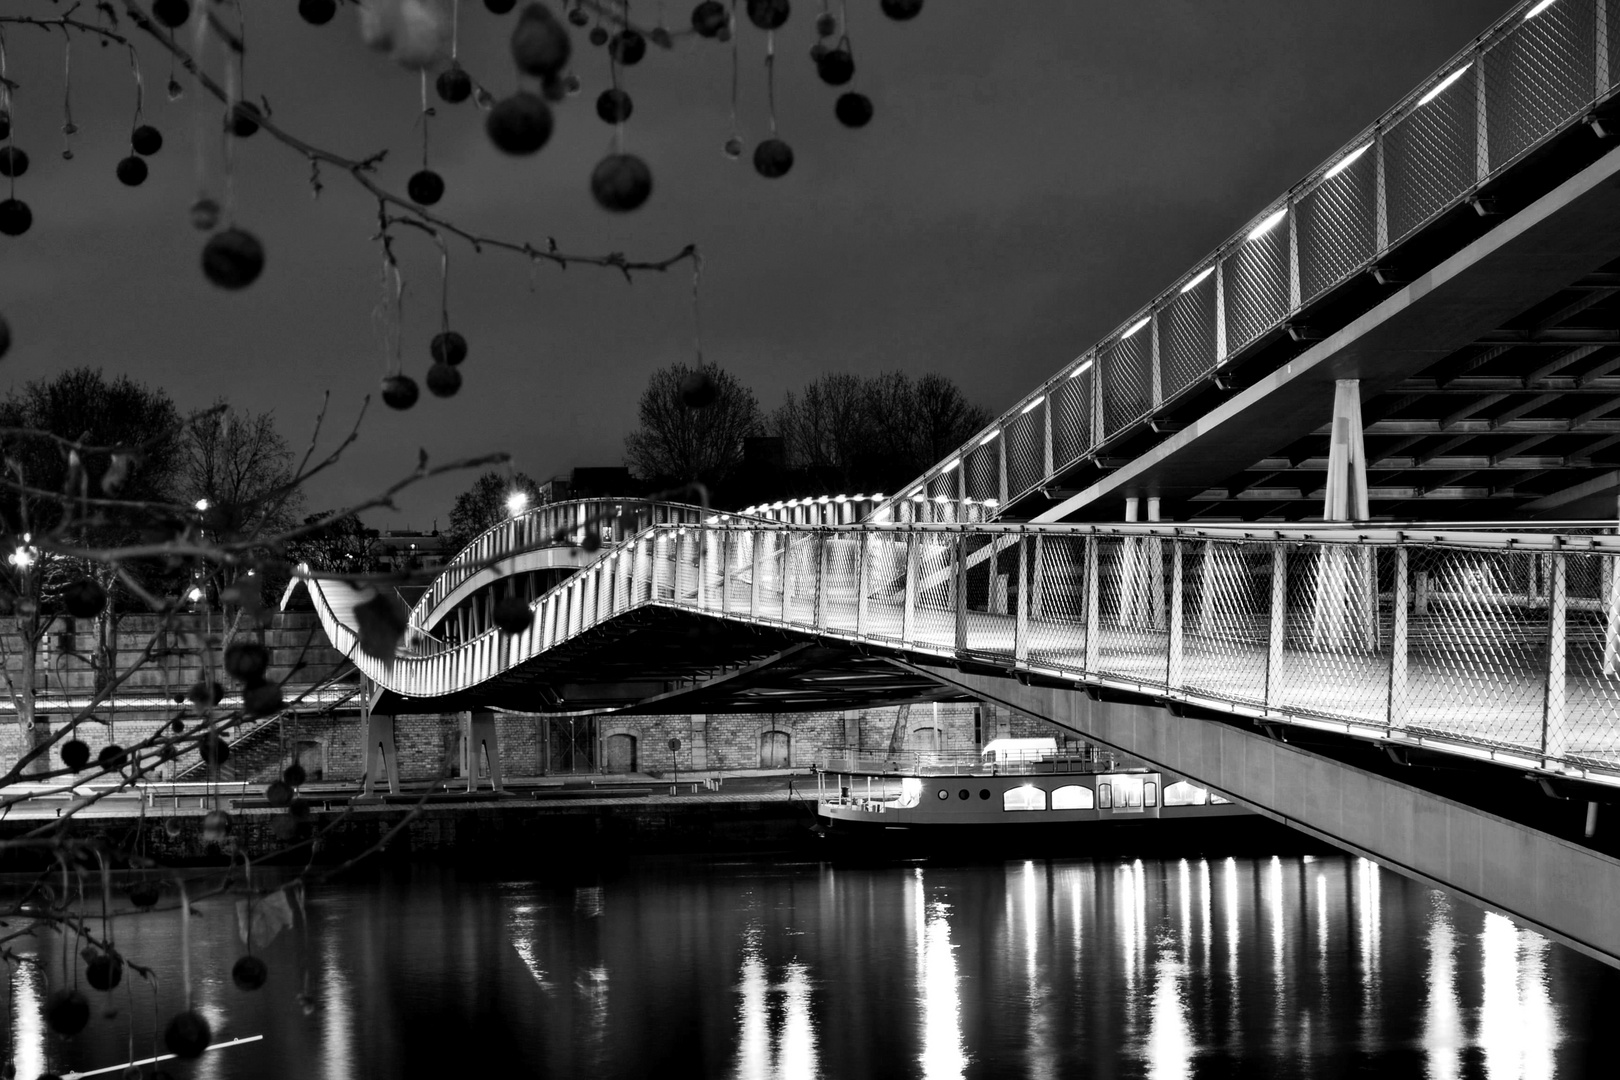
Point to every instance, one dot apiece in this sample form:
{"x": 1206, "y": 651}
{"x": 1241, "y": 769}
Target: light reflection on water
{"x": 770, "y": 972}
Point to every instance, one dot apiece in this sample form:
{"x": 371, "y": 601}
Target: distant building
{"x": 595, "y": 482}
{"x": 399, "y": 550}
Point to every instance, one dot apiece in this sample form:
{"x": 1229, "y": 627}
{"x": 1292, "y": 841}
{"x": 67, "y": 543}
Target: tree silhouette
{"x": 692, "y": 423}
{"x": 486, "y": 502}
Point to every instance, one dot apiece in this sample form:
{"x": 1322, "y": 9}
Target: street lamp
{"x": 202, "y": 504}
{"x": 517, "y": 502}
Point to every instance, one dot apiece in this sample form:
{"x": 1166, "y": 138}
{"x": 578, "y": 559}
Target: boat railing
{"x": 866, "y": 761}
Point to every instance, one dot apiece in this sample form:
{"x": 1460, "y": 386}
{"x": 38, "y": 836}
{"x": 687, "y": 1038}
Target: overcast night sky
{"x": 1037, "y": 169}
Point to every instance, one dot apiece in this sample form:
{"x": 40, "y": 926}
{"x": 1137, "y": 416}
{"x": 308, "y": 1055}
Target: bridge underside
{"x": 1490, "y": 384}
{"x": 661, "y": 660}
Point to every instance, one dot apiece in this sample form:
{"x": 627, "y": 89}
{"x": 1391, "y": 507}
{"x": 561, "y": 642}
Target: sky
{"x": 1036, "y": 171}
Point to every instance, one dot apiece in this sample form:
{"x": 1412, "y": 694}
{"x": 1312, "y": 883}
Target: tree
{"x": 56, "y": 484}
{"x": 335, "y": 541}
{"x": 693, "y": 421}
{"x": 485, "y": 503}
{"x": 852, "y": 434}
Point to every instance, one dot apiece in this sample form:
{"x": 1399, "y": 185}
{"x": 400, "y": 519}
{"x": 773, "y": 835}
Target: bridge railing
{"x": 1534, "y": 74}
{"x": 1497, "y": 645}
{"x": 552, "y": 523}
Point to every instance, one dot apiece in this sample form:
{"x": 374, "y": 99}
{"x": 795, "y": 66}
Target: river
{"x": 1297, "y": 966}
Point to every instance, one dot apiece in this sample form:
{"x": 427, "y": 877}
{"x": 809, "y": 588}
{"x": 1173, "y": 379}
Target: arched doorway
{"x": 923, "y": 738}
{"x": 775, "y": 750}
{"x": 620, "y": 751}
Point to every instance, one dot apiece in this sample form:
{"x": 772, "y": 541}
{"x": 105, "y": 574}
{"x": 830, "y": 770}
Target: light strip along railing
{"x": 539, "y": 527}
{"x": 1534, "y": 74}
{"x": 1490, "y": 645}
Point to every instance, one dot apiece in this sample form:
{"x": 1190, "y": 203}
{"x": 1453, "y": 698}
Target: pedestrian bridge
{"x": 1453, "y": 271}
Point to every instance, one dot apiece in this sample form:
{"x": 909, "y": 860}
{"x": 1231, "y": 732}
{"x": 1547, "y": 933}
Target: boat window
{"x": 944, "y": 794}
{"x": 984, "y": 793}
{"x": 1150, "y": 794}
{"x": 1072, "y": 797}
{"x": 1105, "y": 796}
{"x": 1185, "y": 793}
{"x": 1027, "y": 797}
{"x": 963, "y": 793}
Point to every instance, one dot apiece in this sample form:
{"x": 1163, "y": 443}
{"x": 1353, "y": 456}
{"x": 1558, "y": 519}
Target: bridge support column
{"x": 382, "y": 755}
{"x": 478, "y": 735}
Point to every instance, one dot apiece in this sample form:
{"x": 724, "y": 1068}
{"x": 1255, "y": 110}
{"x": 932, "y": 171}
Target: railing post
{"x": 1397, "y": 645}
{"x": 1482, "y": 140}
{"x": 1173, "y": 659}
{"x": 700, "y": 590}
{"x": 1021, "y": 620}
{"x": 960, "y": 571}
{"x": 756, "y": 543}
{"x": 1157, "y": 391}
{"x": 1001, "y": 475}
{"x": 1293, "y": 258}
{"x": 1046, "y": 440}
{"x": 863, "y": 579}
{"x": 727, "y": 549}
{"x": 1553, "y": 718}
{"x": 823, "y": 553}
{"x": 1602, "y": 48}
{"x": 1035, "y": 576}
{"x": 1610, "y": 584}
{"x": 1279, "y": 623}
{"x": 908, "y": 611}
{"x": 1092, "y": 622}
{"x": 1220, "y": 311}
{"x": 787, "y": 575}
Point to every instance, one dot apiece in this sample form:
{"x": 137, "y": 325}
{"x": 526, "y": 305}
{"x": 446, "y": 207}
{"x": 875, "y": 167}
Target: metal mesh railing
{"x": 1534, "y": 74}
{"x": 1491, "y": 644}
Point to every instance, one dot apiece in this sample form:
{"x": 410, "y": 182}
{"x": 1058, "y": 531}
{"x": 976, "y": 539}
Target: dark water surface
{"x": 1301, "y": 966}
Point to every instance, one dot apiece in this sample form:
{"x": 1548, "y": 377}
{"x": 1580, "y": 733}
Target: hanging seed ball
{"x": 553, "y": 89}
{"x": 112, "y": 757}
{"x": 853, "y": 109}
{"x": 826, "y": 24}
{"x": 659, "y": 36}
{"x": 773, "y": 158}
{"x": 5, "y": 124}
{"x": 294, "y": 775}
{"x": 454, "y": 85}
{"x": 512, "y": 615}
{"x": 187, "y": 1035}
{"x": 614, "y": 106}
{"x": 578, "y": 17}
{"x": 247, "y": 660}
{"x": 84, "y": 599}
{"x": 278, "y": 793}
{"x": 146, "y": 140}
{"x": 768, "y": 14}
{"x": 698, "y": 390}
{"x": 901, "y": 10}
{"x": 245, "y": 119}
{"x": 500, "y": 7}
{"x": 448, "y": 347}
{"x": 203, "y": 695}
{"x": 261, "y": 701}
{"x": 399, "y": 392}
{"x": 621, "y": 182}
{"x": 233, "y": 259}
{"x": 520, "y": 124}
{"x": 144, "y": 894}
{"x": 733, "y": 148}
{"x": 13, "y": 162}
{"x": 317, "y": 12}
{"x": 66, "y": 1012}
{"x": 836, "y": 67}
{"x": 817, "y": 51}
{"x": 425, "y": 187}
{"x": 249, "y": 973}
{"x": 5, "y": 337}
{"x": 723, "y": 35}
{"x": 75, "y": 754}
{"x": 298, "y": 810}
{"x": 171, "y": 13}
{"x": 214, "y": 750}
{"x": 104, "y": 972}
{"x": 708, "y": 17}
{"x": 540, "y": 44}
{"x": 627, "y": 47}
{"x": 598, "y": 36}
{"x": 171, "y": 826}
{"x": 570, "y": 84}
{"x": 205, "y": 214}
{"x": 443, "y": 380}
{"x": 216, "y": 823}
{"x": 132, "y": 171}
